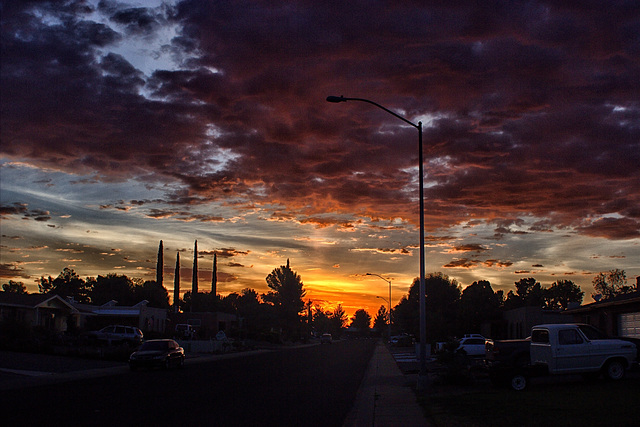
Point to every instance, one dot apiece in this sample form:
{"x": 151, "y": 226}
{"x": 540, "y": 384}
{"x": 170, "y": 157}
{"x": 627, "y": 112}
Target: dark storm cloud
{"x": 469, "y": 247}
{"x": 530, "y": 108}
{"x": 618, "y": 228}
{"x": 225, "y": 252}
{"x": 22, "y": 209}
{"x": 10, "y": 270}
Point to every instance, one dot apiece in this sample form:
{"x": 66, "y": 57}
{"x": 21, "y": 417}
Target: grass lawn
{"x": 560, "y": 403}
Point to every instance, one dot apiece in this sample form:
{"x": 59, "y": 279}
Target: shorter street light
{"x": 388, "y": 302}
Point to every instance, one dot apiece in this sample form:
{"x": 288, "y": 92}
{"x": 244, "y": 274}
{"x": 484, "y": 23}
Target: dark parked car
{"x": 326, "y": 339}
{"x": 403, "y": 340}
{"x": 157, "y": 354}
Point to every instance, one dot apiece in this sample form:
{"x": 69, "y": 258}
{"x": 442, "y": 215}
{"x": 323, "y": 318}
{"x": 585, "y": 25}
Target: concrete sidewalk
{"x": 385, "y": 397}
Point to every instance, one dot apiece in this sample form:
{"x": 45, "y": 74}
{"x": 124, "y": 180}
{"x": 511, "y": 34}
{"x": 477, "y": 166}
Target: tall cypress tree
{"x": 160, "y": 265}
{"x": 194, "y": 275}
{"x": 214, "y": 276}
{"x": 176, "y": 285}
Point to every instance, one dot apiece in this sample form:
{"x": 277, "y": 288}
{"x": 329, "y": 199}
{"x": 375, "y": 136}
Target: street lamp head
{"x": 336, "y": 99}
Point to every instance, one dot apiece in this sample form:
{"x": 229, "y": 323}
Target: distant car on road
{"x": 326, "y": 339}
{"x": 157, "y": 354}
{"x": 403, "y": 340}
{"x": 117, "y": 334}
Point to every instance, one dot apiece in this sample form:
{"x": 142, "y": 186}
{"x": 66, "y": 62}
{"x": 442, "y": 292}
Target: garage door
{"x": 629, "y": 325}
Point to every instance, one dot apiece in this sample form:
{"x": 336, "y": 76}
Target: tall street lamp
{"x": 388, "y": 302}
{"x": 422, "y": 379}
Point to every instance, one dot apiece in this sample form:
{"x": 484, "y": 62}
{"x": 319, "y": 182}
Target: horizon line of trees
{"x": 451, "y": 310}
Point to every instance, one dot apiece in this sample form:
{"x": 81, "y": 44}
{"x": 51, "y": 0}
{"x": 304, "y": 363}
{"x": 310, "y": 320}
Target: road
{"x": 303, "y": 386}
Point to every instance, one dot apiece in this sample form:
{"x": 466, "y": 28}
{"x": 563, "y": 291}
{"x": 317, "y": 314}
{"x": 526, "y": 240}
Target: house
{"x": 517, "y": 323}
{"x": 617, "y": 316}
{"x": 206, "y": 324}
{"x": 50, "y": 312}
{"x": 148, "y": 319}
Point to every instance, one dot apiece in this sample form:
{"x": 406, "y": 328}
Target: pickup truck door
{"x": 572, "y": 352}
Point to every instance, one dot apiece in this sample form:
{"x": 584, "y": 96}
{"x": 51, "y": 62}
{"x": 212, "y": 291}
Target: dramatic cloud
{"x": 12, "y": 270}
{"x": 179, "y": 115}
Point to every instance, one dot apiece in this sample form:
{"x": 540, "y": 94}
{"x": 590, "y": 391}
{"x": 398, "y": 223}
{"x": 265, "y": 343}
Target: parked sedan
{"x": 157, "y": 353}
{"x": 473, "y": 347}
{"x": 117, "y": 334}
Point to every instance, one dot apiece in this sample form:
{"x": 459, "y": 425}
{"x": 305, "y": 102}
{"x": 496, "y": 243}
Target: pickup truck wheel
{"x": 614, "y": 370}
{"x": 518, "y": 382}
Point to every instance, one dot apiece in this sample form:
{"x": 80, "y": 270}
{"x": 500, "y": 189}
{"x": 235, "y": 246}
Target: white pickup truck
{"x": 563, "y": 349}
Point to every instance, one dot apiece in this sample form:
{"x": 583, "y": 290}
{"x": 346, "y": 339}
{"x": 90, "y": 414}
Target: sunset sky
{"x": 126, "y": 123}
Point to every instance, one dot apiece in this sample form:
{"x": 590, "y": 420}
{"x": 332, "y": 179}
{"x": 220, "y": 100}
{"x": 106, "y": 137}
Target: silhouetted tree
{"x": 157, "y": 295}
{"x": 361, "y": 320}
{"x": 478, "y": 303}
{"x": 176, "y": 285}
{"x": 200, "y": 302}
{"x": 15, "y": 287}
{"x": 612, "y": 283}
{"x": 194, "y": 274}
{"x": 308, "y": 321}
{"x": 405, "y": 314}
{"x": 214, "y": 275}
{"x": 67, "y": 284}
{"x": 160, "y": 264}
{"x": 256, "y": 317}
{"x": 562, "y": 293}
{"x": 112, "y": 287}
{"x": 321, "y": 321}
{"x": 286, "y": 296}
{"x": 529, "y": 293}
{"x": 442, "y": 303}
{"x": 380, "y": 322}
{"x": 337, "y": 321}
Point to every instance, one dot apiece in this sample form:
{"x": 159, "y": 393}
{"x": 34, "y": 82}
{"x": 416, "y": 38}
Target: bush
{"x": 16, "y": 336}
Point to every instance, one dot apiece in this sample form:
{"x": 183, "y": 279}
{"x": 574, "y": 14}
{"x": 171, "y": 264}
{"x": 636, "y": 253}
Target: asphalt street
{"x": 308, "y": 386}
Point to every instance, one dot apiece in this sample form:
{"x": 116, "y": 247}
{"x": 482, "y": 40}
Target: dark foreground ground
{"x": 467, "y": 398}
{"x": 308, "y": 386}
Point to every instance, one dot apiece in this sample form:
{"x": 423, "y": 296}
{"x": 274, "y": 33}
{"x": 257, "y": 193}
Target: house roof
{"x": 630, "y": 298}
{"x": 111, "y": 309}
{"x": 12, "y": 299}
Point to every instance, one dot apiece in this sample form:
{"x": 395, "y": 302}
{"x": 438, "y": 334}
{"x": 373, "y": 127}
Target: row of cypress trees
{"x": 176, "y": 276}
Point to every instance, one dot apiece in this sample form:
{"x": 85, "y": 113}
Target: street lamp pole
{"x": 388, "y": 302}
{"x": 422, "y": 379}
